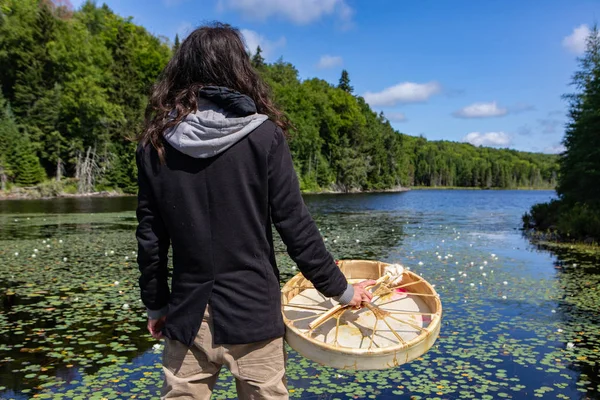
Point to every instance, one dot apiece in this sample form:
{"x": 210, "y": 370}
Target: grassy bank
{"x": 52, "y": 189}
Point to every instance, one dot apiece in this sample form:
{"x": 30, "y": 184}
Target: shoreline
{"x": 30, "y": 194}
{"x": 473, "y": 188}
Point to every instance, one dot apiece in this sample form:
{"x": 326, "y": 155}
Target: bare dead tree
{"x": 87, "y": 171}
{"x": 60, "y": 169}
{"x": 3, "y": 178}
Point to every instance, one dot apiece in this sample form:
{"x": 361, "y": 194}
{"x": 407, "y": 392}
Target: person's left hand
{"x": 155, "y": 327}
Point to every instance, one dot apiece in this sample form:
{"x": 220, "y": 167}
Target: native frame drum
{"x": 400, "y": 324}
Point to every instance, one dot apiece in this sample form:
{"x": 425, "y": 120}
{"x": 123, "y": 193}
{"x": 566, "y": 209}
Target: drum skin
{"x": 415, "y": 335}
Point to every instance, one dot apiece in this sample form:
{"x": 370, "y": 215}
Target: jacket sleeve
{"x": 295, "y": 225}
{"x": 153, "y": 247}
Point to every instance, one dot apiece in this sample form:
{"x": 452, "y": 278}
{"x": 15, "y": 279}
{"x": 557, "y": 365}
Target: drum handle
{"x": 334, "y": 310}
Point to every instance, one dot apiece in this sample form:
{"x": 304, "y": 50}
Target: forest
{"x": 575, "y": 214}
{"x": 75, "y": 83}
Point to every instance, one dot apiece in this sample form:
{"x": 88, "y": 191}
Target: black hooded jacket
{"x": 216, "y": 214}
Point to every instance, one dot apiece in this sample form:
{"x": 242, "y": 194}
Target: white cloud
{"x": 396, "y": 116}
{"x": 254, "y": 39}
{"x": 300, "y": 12}
{"x": 407, "y": 92}
{"x": 493, "y": 139}
{"x": 328, "y": 61}
{"x": 481, "y": 110}
{"x": 575, "y": 42}
{"x": 556, "y": 149}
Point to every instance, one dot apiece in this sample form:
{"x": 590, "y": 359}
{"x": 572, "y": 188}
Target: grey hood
{"x": 211, "y": 130}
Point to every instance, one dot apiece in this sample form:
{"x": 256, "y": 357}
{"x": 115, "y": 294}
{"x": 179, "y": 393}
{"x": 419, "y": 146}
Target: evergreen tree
{"x": 28, "y": 169}
{"x": 580, "y": 164}
{"x": 257, "y": 59}
{"x": 177, "y": 44}
{"x": 345, "y": 82}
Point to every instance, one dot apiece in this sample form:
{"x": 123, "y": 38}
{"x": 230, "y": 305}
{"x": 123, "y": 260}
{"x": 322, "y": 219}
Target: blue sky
{"x": 487, "y": 72}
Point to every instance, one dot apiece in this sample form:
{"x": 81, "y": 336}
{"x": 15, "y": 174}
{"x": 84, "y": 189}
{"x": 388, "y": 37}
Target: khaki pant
{"x": 191, "y": 373}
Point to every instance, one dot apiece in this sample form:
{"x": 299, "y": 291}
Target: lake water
{"x": 518, "y": 322}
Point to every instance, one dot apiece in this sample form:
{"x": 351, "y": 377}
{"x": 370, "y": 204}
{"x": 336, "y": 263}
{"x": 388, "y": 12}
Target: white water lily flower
{"x": 294, "y": 268}
{"x": 485, "y": 263}
{"x": 60, "y": 241}
{"x": 33, "y": 256}
{"x": 559, "y": 330}
{"x": 553, "y": 311}
{"x": 493, "y": 255}
{"x": 16, "y": 254}
{"x": 357, "y": 241}
{"x": 106, "y": 253}
{"x": 484, "y": 274}
{"x": 43, "y": 241}
{"x": 506, "y": 283}
{"x": 125, "y": 306}
{"x": 35, "y": 250}
{"x": 443, "y": 241}
{"x": 472, "y": 263}
{"x": 334, "y": 240}
{"x": 116, "y": 283}
{"x": 48, "y": 246}
{"x": 420, "y": 262}
{"x": 472, "y": 284}
{"x": 481, "y": 267}
{"x": 112, "y": 252}
{"x": 503, "y": 297}
{"x": 157, "y": 346}
{"x": 456, "y": 263}
{"x": 439, "y": 257}
{"x": 127, "y": 257}
{"x": 65, "y": 259}
{"x": 452, "y": 279}
{"x": 464, "y": 275}
{"x": 570, "y": 345}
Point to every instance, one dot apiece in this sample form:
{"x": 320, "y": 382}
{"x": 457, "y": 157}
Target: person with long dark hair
{"x": 214, "y": 172}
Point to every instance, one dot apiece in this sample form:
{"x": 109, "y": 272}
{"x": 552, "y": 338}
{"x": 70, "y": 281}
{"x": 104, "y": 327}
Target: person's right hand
{"x": 155, "y": 327}
{"x": 361, "y": 294}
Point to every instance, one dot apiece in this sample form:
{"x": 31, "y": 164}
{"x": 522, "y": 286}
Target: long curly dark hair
{"x": 212, "y": 55}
